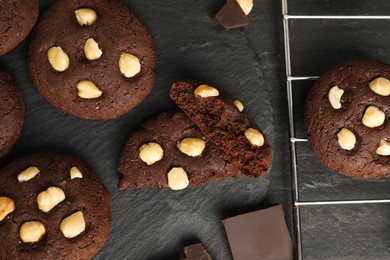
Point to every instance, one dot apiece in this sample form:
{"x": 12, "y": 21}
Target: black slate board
{"x": 337, "y": 232}
{"x": 149, "y": 223}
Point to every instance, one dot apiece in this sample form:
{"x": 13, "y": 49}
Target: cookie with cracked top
{"x": 347, "y": 114}
{"x": 92, "y": 59}
{"x": 17, "y": 18}
{"x": 224, "y": 123}
{"x": 171, "y": 141}
{"x": 52, "y": 206}
{"x": 11, "y": 113}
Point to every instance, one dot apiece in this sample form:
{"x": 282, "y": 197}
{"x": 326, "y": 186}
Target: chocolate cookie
{"x": 92, "y": 59}
{"x": 11, "y": 113}
{"x": 224, "y": 122}
{"x": 171, "y": 152}
{"x": 347, "y": 116}
{"x": 52, "y": 207}
{"x": 17, "y": 18}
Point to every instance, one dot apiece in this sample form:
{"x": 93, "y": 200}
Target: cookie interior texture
{"x": 14, "y": 24}
{"x": 325, "y": 120}
{"x": 168, "y": 130}
{"x": 85, "y": 193}
{"x": 11, "y": 113}
{"x": 98, "y": 52}
{"x": 224, "y": 124}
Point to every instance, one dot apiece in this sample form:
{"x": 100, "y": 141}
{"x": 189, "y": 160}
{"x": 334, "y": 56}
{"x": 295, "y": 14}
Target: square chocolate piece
{"x": 231, "y": 16}
{"x": 261, "y": 234}
{"x": 196, "y": 252}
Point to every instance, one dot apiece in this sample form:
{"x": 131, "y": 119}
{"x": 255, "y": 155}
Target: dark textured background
{"x": 152, "y": 224}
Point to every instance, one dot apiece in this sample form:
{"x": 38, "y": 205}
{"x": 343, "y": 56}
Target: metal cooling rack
{"x": 297, "y": 203}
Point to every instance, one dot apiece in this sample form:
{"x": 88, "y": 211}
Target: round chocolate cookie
{"x": 92, "y": 59}
{"x": 17, "y": 18}
{"x": 52, "y": 207}
{"x": 225, "y": 123}
{"x": 11, "y": 113}
{"x": 347, "y": 116}
{"x": 170, "y": 151}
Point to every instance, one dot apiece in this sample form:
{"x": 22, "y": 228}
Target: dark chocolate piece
{"x": 231, "y": 16}
{"x": 323, "y": 122}
{"x": 261, "y": 234}
{"x": 196, "y": 252}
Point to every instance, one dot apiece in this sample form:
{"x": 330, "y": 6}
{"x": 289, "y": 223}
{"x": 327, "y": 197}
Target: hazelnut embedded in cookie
{"x": 88, "y": 90}
{"x": 129, "y": 65}
{"x": 32, "y": 231}
{"x": 151, "y": 153}
{"x": 373, "y": 117}
{"x": 85, "y": 16}
{"x": 239, "y": 105}
{"x": 334, "y": 97}
{"x": 192, "y": 146}
{"x": 50, "y": 198}
{"x": 75, "y": 173}
{"x": 178, "y": 178}
{"x": 346, "y": 139}
{"x": 383, "y": 148}
{"x": 380, "y": 86}
{"x": 28, "y": 174}
{"x": 254, "y": 137}
{"x": 73, "y": 225}
{"x": 206, "y": 91}
{"x": 7, "y": 205}
{"x": 92, "y": 50}
{"x": 58, "y": 59}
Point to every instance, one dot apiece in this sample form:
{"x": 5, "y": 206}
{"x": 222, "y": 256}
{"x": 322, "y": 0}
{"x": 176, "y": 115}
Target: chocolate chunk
{"x": 196, "y": 252}
{"x": 260, "y": 234}
{"x": 231, "y": 16}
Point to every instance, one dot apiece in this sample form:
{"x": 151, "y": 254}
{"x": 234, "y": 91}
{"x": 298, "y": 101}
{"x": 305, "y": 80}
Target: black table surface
{"x": 249, "y": 64}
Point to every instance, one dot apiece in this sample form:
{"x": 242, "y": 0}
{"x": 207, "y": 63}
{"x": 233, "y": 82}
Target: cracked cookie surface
{"x": 17, "y": 18}
{"x": 31, "y": 230}
{"x": 167, "y": 131}
{"x": 92, "y": 59}
{"x": 347, "y": 114}
{"x": 11, "y": 113}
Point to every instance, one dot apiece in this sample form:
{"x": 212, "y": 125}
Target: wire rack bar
{"x": 294, "y": 177}
{"x": 290, "y": 78}
{"x": 339, "y": 202}
{"x": 336, "y": 17}
{"x": 297, "y": 140}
